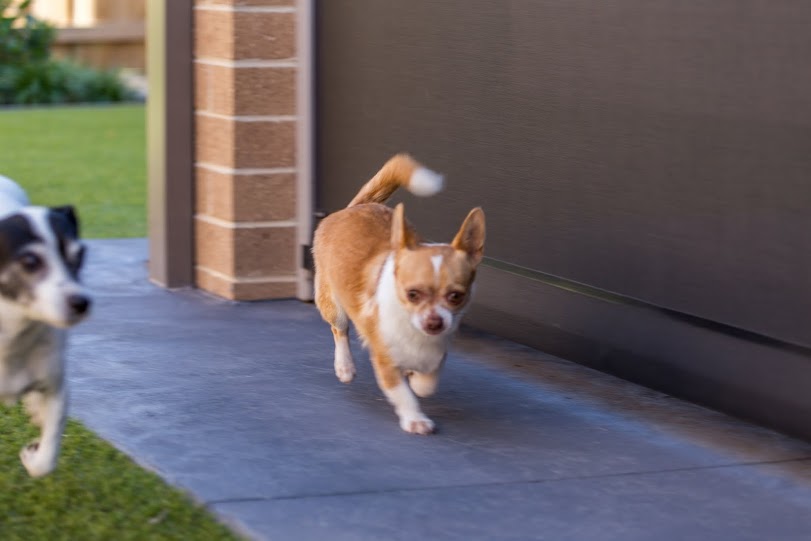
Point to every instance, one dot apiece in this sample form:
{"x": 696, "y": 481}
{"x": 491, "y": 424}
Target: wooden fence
{"x": 102, "y": 33}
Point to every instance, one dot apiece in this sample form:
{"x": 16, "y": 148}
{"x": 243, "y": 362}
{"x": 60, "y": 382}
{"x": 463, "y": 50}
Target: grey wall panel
{"x": 658, "y": 150}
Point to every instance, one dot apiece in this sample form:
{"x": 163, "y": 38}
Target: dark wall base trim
{"x": 747, "y": 378}
{"x": 615, "y": 298}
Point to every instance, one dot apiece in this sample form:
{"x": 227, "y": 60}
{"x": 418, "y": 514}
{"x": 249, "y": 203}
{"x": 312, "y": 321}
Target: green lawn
{"x": 96, "y": 493}
{"x": 91, "y": 157}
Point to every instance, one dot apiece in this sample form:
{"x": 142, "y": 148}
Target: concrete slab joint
{"x": 246, "y": 172}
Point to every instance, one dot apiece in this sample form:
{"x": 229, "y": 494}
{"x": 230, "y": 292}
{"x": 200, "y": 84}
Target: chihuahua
{"x": 404, "y": 296}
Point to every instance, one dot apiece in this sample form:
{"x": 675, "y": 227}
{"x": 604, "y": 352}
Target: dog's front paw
{"x": 36, "y": 462}
{"x": 421, "y": 425}
{"x": 345, "y": 371}
{"x": 344, "y": 364}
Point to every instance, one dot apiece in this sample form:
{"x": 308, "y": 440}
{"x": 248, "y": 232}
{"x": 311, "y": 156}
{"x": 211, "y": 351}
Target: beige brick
{"x": 266, "y": 36}
{"x": 265, "y": 91}
{"x": 265, "y": 144}
{"x": 203, "y": 83}
{"x": 264, "y": 198}
{"x": 241, "y": 291}
{"x": 214, "y": 140}
{"x": 253, "y": 252}
{"x": 264, "y": 251}
{"x": 214, "y": 194}
{"x": 245, "y": 198}
{"x": 245, "y": 91}
{"x": 214, "y": 284}
{"x": 213, "y": 34}
{"x": 253, "y": 144}
{"x": 214, "y": 88}
{"x": 244, "y": 35}
{"x": 264, "y": 290}
{"x": 214, "y": 247}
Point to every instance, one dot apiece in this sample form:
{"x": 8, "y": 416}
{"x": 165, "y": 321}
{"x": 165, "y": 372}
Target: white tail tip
{"x": 424, "y": 182}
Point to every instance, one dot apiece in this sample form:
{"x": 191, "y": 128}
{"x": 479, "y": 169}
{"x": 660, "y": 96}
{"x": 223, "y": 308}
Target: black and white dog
{"x": 40, "y": 296}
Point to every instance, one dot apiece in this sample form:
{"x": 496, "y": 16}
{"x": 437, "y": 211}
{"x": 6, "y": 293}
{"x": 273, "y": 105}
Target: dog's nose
{"x": 434, "y": 323}
{"x": 79, "y": 303}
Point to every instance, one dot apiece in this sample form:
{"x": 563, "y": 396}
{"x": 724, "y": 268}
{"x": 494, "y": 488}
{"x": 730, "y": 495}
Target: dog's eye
{"x": 30, "y": 262}
{"x": 414, "y": 295}
{"x": 455, "y": 297}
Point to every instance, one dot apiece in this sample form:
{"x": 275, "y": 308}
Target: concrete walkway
{"x": 238, "y": 404}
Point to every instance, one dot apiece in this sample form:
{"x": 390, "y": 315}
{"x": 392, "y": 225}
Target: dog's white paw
{"x": 418, "y": 424}
{"x": 36, "y": 462}
{"x": 345, "y": 371}
{"x": 344, "y": 364}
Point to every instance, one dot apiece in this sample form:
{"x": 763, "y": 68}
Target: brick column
{"x": 245, "y": 114}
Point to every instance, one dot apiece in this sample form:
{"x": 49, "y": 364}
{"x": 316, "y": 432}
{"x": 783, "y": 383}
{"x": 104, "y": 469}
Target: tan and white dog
{"x": 405, "y": 297}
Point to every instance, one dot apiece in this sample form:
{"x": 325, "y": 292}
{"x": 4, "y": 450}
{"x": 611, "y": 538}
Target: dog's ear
{"x": 69, "y": 214}
{"x": 470, "y": 238}
{"x": 9, "y": 229}
{"x": 15, "y": 232}
{"x": 401, "y": 235}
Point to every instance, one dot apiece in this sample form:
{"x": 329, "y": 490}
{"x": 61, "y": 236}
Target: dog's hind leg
{"x": 48, "y": 409}
{"x": 424, "y": 384}
{"x": 335, "y": 315}
{"x": 34, "y": 403}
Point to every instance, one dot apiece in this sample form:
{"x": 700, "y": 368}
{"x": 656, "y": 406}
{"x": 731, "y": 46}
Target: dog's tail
{"x": 401, "y": 170}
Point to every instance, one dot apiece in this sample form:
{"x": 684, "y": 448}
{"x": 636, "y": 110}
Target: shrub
{"x": 23, "y": 38}
{"x": 29, "y": 75}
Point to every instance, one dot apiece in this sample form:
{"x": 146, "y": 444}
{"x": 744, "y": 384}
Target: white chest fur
{"x": 410, "y": 348}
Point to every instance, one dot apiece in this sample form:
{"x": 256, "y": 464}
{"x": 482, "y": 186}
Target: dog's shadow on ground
{"x": 471, "y": 394}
